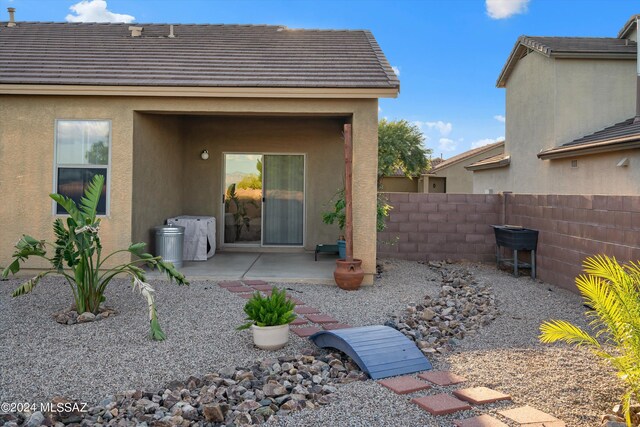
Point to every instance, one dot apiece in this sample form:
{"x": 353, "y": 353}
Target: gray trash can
{"x": 169, "y": 243}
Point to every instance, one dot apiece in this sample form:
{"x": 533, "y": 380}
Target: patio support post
{"x": 349, "y": 273}
{"x": 348, "y": 190}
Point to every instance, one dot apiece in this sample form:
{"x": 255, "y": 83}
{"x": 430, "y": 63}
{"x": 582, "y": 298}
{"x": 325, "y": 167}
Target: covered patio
{"x": 270, "y": 266}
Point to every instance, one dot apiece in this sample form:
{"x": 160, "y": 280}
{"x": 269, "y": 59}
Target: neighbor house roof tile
{"x": 621, "y": 136}
{"x": 467, "y": 154}
{"x": 199, "y": 55}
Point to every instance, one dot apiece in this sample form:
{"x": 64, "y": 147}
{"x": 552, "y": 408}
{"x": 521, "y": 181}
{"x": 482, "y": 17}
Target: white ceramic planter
{"x": 270, "y": 337}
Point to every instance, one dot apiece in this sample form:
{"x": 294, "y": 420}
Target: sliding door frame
{"x": 223, "y": 192}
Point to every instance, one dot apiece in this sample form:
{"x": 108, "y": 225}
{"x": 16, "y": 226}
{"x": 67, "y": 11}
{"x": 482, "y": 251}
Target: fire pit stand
{"x": 517, "y": 239}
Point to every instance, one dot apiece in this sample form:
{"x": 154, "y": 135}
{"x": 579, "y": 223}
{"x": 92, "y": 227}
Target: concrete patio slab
{"x": 292, "y": 266}
{"x": 255, "y": 267}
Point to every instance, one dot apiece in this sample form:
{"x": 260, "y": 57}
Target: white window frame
{"x": 77, "y": 166}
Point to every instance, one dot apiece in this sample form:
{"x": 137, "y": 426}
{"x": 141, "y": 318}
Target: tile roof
{"x": 621, "y": 136}
{"x": 199, "y": 55}
{"x": 576, "y": 47}
{"x": 493, "y": 162}
{"x": 466, "y": 155}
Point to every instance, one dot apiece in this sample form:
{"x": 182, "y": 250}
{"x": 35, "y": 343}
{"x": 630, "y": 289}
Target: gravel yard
{"x": 40, "y": 358}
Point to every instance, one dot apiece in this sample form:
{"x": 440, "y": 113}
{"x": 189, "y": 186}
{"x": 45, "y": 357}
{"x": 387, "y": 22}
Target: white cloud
{"x": 396, "y": 70}
{"x": 501, "y": 9}
{"x": 500, "y": 118}
{"x": 95, "y": 11}
{"x": 379, "y": 109}
{"x": 446, "y": 144}
{"x": 442, "y": 127}
{"x": 486, "y": 141}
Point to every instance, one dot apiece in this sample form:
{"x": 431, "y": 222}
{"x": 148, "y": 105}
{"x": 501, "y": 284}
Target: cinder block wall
{"x": 456, "y": 227}
{"x": 575, "y": 227}
{"x": 432, "y": 226}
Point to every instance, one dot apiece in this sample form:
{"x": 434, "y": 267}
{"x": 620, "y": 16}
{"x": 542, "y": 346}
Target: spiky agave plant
{"x": 274, "y": 310}
{"x": 613, "y": 292}
{"x": 77, "y": 257}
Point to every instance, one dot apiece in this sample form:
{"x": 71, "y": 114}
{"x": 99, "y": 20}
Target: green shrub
{"x": 274, "y": 310}
{"x": 612, "y": 291}
{"x": 339, "y": 215}
{"x": 77, "y": 256}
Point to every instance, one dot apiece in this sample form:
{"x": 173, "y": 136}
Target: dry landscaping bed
{"x": 98, "y": 362}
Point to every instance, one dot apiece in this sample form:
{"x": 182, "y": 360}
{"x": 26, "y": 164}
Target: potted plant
{"x": 338, "y": 214}
{"x": 269, "y": 318}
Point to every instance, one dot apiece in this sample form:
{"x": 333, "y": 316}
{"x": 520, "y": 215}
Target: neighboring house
{"x": 570, "y": 107}
{"x": 453, "y": 175}
{"x": 142, "y": 103}
{"x": 400, "y": 183}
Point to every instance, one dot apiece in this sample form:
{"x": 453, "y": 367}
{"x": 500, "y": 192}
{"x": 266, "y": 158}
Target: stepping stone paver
{"x": 442, "y": 378}
{"x": 254, "y": 282}
{"x": 233, "y": 284}
{"x": 306, "y": 310}
{"x": 305, "y": 332}
{"x": 480, "y": 395}
{"x": 333, "y": 326}
{"x": 262, "y": 287}
{"x": 240, "y": 289}
{"x": 320, "y": 318}
{"x": 481, "y": 421}
{"x": 295, "y": 300}
{"x": 404, "y": 385}
{"x": 526, "y": 415}
{"x": 441, "y": 404}
{"x": 299, "y": 321}
{"x": 245, "y": 296}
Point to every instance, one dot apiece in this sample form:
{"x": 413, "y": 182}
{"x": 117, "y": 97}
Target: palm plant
{"x": 77, "y": 257}
{"x": 274, "y": 310}
{"x": 612, "y": 291}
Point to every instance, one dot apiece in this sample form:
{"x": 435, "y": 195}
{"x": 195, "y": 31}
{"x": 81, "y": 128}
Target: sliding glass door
{"x": 264, "y": 199}
{"x": 283, "y": 202}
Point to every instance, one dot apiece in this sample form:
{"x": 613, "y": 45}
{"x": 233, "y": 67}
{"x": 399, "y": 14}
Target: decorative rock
{"x": 36, "y": 419}
{"x": 86, "y": 317}
{"x": 271, "y": 389}
{"x": 248, "y": 405}
{"x": 462, "y": 307}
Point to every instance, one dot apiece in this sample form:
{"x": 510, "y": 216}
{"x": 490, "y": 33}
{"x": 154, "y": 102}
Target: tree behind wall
{"x": 400, "y": 148}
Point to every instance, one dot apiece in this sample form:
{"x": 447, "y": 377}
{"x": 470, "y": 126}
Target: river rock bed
{"x": 234, "y": 396}
{"x": 461, "y": 308}
{"x": 71, "y": 316}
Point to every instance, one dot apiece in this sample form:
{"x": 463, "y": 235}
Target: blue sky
{"x": 448, "y": 52}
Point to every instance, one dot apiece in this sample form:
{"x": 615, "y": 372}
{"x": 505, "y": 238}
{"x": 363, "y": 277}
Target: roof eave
{"x": 488, "y": 147}
{"x": 198, "y": 91}
{"x": 628, "y": 27}
{"x": 493, "y": 165}
{"x": 591, "y": 148}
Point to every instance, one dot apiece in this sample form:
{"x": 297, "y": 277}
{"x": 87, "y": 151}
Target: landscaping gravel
{"x": 40, "y": 358}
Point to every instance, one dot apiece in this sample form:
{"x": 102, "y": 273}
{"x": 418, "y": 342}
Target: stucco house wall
{"x": 458, "y": 179}
{"x": 27, "y": 126}
{"x": 550, "y": 102}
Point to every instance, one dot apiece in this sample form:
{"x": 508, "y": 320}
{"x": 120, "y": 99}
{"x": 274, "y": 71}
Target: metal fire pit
{"x": 517, "y": 239}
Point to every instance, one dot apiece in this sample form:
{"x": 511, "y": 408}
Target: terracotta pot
{"x": 348, "y": 274}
